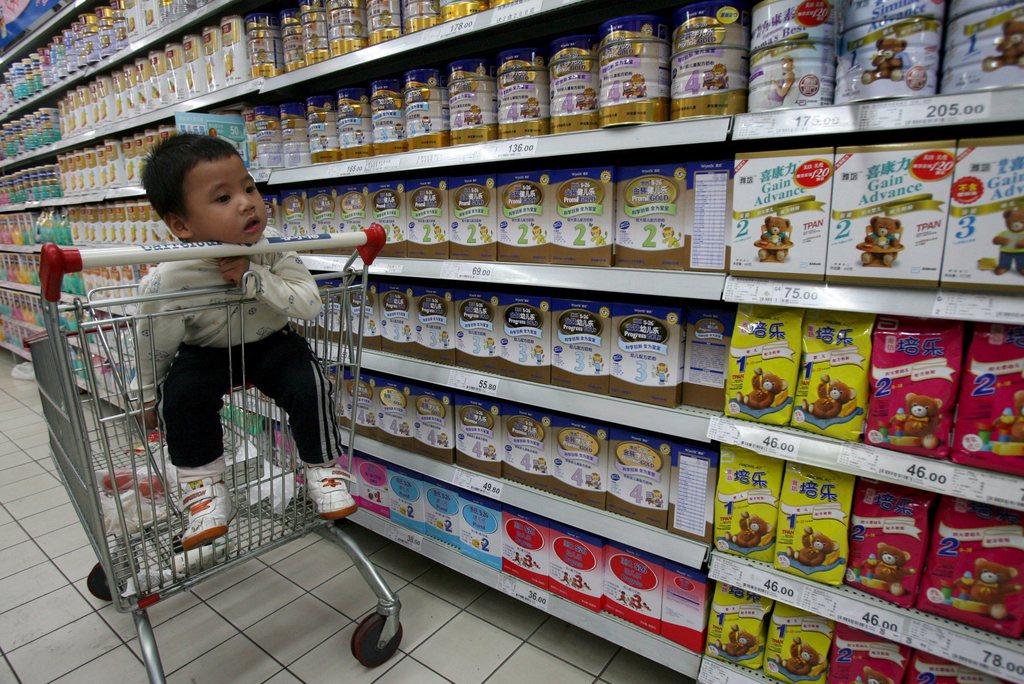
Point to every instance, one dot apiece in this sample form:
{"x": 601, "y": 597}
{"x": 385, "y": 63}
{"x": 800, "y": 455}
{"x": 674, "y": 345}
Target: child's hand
{"x": 232, "y": 269}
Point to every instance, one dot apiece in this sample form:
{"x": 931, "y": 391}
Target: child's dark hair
{"x": 170, "y": 161}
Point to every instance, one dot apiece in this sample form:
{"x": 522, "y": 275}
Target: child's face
{"x": 221, "y": 204}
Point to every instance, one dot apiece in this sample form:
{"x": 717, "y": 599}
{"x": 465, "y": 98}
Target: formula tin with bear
{"x": 710, "y": 80}
{"x": 982, "y": 49}
{"x": 635, "y": 79}
{"x": 859, "y": 12}
{"x": 775, "y": 21}
{"x": 714, "y": 22}
{"x": 797, "y": 73}
{"x": 889, "y": 59}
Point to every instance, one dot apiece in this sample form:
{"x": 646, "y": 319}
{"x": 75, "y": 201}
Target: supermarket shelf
{"x": 691, "y": 423}
{"x": 717, "y": 672}
{"x": 987, "y": 307}
{"x": 622, "y": 280}
{"x": 923, "y": 112}
{"x": 679, "y": 549}
{"x": 31, "y": 327}
{"x": 603, "y": 625}
{"x": 989, "y": 653}
{"x": 863, "y": 460}
{"x": 20, "y": 287}
{"x": 158, "y": 114}
{"x": 42, "y": 31}
{"x": 668, "y": 134}
{"x": 79, "y": 198}
{"x": 20, "y": 249}
{"x": 15, "y": 349}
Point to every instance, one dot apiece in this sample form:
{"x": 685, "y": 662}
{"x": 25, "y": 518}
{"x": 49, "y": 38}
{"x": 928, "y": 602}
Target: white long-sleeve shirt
{"x": 285, "y": 290}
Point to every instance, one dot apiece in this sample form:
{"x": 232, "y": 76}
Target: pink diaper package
{"x": 915, "y": 368}
{"x": 990, "y": 419}
{"x": 888, "y": 540}
{"x": 862, "y": 658}
{"x": 974, "y": 565}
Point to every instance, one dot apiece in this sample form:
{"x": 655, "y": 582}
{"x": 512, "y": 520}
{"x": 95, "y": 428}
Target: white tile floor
{"x": 286, "y": 616}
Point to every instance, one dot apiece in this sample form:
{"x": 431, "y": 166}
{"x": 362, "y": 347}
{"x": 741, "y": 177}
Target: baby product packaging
{"x": 813, "y": 525}
{"x": 972, "y": 574}
{"x": 441, "y": 511}
{"x": 294, "y": 212}
{"x": 581, "y": 346}
{"x": 426, "y": 213}
{"x": 353, "y": 212}
{"x": 582, "y": 229}
{"x": 709, "y": 194}
{"x": 763, "y": 363}
{"x": 780, "y": 212}
{"x": 472, "y": 208}
{"x": 639, "y": 476}
{"x": 478, "y": 434}
{"x": 360, "y": 401}
{"x": 374, "y": 492}
{"x": 651, "y": 217}
{"x": 433, "y": 429}
{"x": 915, "y": 370}
{"x": 580, "y": 460}
{"x": 407, "y": 500}
{"x": 633, "y": 585}
{"x": 386, "y": 202}
{"x": 888, "y": 540}
{"x": 369, "y": 309}
{"x": 684, "y": 605}
{"x": 397, "y": 334}
{"x": 832, "y": 391}
{"x": 691, "y": 498}
{"x": 747, "y": 503}
{"x": 861, "y": 657}
{"x": 394, "y": 420}
{"x": 477, "y": 330}
{"x": 737, "y": 626}
{"x": 528, "y": 453}
{"x": 480, "y": 530}
{"x": 798, "y": 644}
{"x": 576, "y": 565}
{"x": 323, "y": 209}
{"x": 985, "y": 238}
{"x": 434, "y": 322}
{"x": 525, "y": 546}
{"x": 926, "y": 668}
{"x": 647, "y": 354}
{"x": 706, "y": 356}
{"x": 889, "y": 213}
{"x": 525, "y": 337}
{"x": 990, "y": 415}
{"x": 272, "y": 204}
{"x": 524, "y": 223}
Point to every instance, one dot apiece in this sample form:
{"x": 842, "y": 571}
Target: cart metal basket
{"x": 118, "y": 474}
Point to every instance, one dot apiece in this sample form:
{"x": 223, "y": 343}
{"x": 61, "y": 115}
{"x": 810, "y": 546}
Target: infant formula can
{"x": 574, "y": 84}
{"x": 983, "y": 47}
{"x": 456, "y": 9}
{"x": 792, "y": 74}
{"x": 888, "y": 59}
{"x": 716, "y": 22}
{"x": 859, "y": 12}
{"x": 267, "y": 133}
{"x": 473, "y": 101}
{"x": 195, "y": 72}
{"x": 524, "y": 95}
{"x": 313, "y": 15}
{"x": 635, "y": 77}
{"x": 426, "y": 110}
{"x": 346, "y": 26}
{"x": 355, "y": 125}
{"x": 322, "y": 128}
{"x": 777, "y": 20}
{"x": 710, "y": 80}
{"x": 213, "y": 58}
{"x": 384, "y": 18}
{"x": 235, "y": 50}
{"x": 294, "y": 135}
{"x": 958, "y": 8}
{"x": 266, "y": 52}
{"x": 388, "y": 114}
{"x": 291, "y": 40}
{"x": 420, "y": 14}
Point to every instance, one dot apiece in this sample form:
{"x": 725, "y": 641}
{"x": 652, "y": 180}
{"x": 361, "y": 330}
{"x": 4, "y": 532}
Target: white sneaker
{"x": 209, "y": 510}
{"x": 326, "y": 488}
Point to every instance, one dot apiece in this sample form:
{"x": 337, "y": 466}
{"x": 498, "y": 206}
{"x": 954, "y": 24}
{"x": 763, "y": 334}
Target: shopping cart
{"x": 118, "y": 474}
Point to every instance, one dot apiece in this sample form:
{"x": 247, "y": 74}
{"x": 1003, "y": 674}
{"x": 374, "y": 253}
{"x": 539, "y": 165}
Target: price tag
{"x": 407, "y": 538}
{"x": 353, "y": 168}
{"x": 921, "y": 473}
{"x": 456, "y": 270}
{"x": 386, "y": 268}
{"x": 794, "y": 122}
{"x": 746, "y": 291}
{"x": 515, "y": 149}
{"x": 1002, "y": 490}
{"x": 723, "y": 430}
{"x": 978, "y": 307}
{"x": 515, "y": 11}
{"x": 473, "y": 382}
{"x": 860, "y": 456}
{"x": 261, "y": 175}
{"x": 526, "y": 592}
{"x": 459, "y": 26}
{"x": 481, "y": 484}
{"x": 713, "y": 672}
{"x": 769, "y": 442}
{"x": 383, "y": 163}
{"x": 927, "y": 111}
{"x": 863, "y": 616}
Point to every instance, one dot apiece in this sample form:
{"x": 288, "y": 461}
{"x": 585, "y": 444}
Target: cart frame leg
{"x": 147, "y": 644}
{"x": 388, "y": 604}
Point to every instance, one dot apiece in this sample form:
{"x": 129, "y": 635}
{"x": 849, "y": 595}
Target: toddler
{"x": 202, "y": 191}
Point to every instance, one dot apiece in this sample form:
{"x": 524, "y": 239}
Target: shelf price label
{"x": 407, "y": 538}
{"x": 794, "y": 122}
{"x": 460, "y": 270}
{"x": 756, "y": 580}
{"x": 986, "y": 656}
{"x": 459, "y": 26}
{"x": 524, "y": 591}
{"x": 769, "y": 442}
{"x": 515, "y": 149}
{"x": 926, "y": 111}
{"x": 473, "y": 382}
{"x": 978, "y": 307}
{"x": 481, "y": 484}
{"x": 714, "y": 672}
{"x": 515, "y": 11}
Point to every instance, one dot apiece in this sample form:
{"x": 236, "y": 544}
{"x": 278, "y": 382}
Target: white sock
{"x": 214, "y": 469}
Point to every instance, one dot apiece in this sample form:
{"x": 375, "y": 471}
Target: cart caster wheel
{"x": 364, "y": 642}
{"x": 97, "y": 583}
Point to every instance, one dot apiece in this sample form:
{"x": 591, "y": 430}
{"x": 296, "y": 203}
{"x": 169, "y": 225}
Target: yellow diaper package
{"x": 814, "y": 516}
{"x": 737, "y": 626}
{"x": 798, "y": 645}
{"x": 832, "y": 391}
{"x": 763, "y": 358}
{"x": 747, "y": 503}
